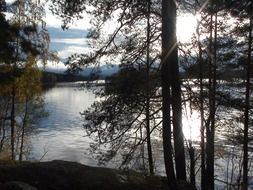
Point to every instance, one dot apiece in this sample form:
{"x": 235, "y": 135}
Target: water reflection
{"x": 60, "y": 135}
{"x": 191, "y": 124}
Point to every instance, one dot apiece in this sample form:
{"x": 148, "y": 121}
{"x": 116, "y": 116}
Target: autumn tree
{"x": 29, "y": 91}
{"x": 26, "y": 36}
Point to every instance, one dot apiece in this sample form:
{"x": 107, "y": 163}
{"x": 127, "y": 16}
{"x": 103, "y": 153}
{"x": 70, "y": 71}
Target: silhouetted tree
{"x": 133, "y": 43}
{"x": 169, "y": 58}
{"x": 118, "y": 118}
{"x": 129, "y": 14}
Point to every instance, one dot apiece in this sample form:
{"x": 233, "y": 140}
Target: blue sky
{"x": 73, "y": 40}
{"x": 66, "y": 42}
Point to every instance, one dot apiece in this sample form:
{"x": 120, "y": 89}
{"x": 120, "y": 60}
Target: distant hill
{"x": 50, "y": 78}
{"x": 70, "y": 33}
{"x": 53, "y": 76}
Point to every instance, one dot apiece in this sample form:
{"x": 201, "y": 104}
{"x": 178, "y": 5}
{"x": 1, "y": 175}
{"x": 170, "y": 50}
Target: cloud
{"x": 70, "y": 41}
{"x": 66, "y": 43}
{"x": 53, "y": 66}
{"x": 69, "y": 50}
{"x": 52, "y": 21}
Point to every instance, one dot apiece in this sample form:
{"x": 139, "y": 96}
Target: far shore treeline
{"x": 50, "y": 78}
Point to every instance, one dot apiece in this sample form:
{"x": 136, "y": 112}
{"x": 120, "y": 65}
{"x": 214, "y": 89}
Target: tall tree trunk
{"x": 149, "y": 146}
{"x": 212, "y": 104}
{"x": 208, "y": 123}
{"x": 202, "y": 126}
{"x": 168, "y": 51}
{"x": 14, "y": 88}
{"x": 3, "y": 130}
{"x": 177, "y": 116}
{"x": 142, "y": 154}
{"x": 191, "y": 151}
{"x": 176, "y": 94}
{"x": 13, "y": 122}
{"x": 246, "y": 111}
{"x": 167, "y": 146}
{"x": 23, "y": 132}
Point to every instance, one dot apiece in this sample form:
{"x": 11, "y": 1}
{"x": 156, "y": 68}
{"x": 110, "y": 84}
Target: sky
{"x": 65, "y": 42}
{"x": 73, "y": 40}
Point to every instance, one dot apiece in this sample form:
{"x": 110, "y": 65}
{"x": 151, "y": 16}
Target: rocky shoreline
{"x": 63, "y": 175}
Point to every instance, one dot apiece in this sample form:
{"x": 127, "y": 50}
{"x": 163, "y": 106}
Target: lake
{"x": 61, "y": 135}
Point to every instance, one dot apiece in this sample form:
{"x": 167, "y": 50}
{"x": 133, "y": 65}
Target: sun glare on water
{"x": 186, "y": 27}
{"x": 191, "y": 125}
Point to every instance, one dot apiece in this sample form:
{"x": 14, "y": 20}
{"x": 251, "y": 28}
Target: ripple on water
{"x": 60, "y": 135}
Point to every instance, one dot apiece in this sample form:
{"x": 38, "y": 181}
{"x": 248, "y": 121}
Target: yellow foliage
{"x": 29, "y": 84}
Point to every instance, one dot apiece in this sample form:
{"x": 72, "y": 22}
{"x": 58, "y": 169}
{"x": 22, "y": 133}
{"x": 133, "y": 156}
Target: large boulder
{"x": 63, "y": 175}
{"x": 17, "y": 185}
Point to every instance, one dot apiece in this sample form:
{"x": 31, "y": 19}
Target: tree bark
{"x": 3, "y": 130}
{"x": 172, "y": 57}
{"x": 202, "y": 126}
{"x": 149, "y": 146}
{"x": 23, "y": 132}
{"x": 177, "y": 117}
{"x": 192, "y": 165}
{"x": 246, "y": 111}
{"x": 13, "y": 122}
{"x": 168, "y": 51}
{"x": 210, "y": 130}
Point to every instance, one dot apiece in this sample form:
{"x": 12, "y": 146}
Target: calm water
{"x": 60, "y": 135}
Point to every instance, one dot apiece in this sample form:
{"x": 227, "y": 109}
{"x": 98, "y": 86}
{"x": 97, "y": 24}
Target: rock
{"x": 18, "y": 185}
{"x": 63, "y": 175}
{"x": 1, "y": 185}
